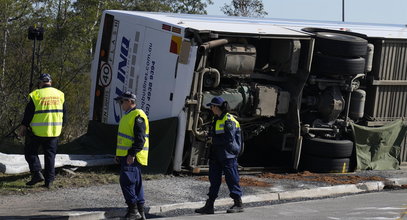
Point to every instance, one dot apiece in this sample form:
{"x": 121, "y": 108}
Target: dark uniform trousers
{"x": 229, "y": 168}
{"x": 131, "y": 182}
{"x": 49, "y": 146}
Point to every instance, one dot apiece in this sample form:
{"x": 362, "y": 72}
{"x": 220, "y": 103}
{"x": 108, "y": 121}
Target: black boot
{"x": 48, "y": 184}
{"x": 140, "y": 208}
{"x": 132, "y": 212}
{"x": 36, "y": 177}
{"x": 237, "y": 206}
{"x": 208, "y": 208}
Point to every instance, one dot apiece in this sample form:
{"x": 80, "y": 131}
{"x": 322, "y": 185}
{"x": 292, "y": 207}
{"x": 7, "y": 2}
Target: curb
{"x": 397, "y": 181}
{"x": 297, "y": 194}
{"x": 85, "y": 215}
{"x": 68, "y": 215}
{"x": 266, "y": 197}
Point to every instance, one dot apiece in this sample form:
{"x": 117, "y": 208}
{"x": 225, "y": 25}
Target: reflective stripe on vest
{"x": 125, "y": 136}
{"x": 220, "y": 124}
{"x": 48, "y": 114}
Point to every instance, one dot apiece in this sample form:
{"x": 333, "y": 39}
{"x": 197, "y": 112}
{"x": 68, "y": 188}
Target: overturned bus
{"x": 296, "y": 87}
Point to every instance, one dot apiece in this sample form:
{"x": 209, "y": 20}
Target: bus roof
{"x": 266, "y": 26}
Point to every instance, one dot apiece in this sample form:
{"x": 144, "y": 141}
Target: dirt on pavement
{"x": 329, "y": 178}
{"x": 334, "y": 179}
{"x": 244, "y": 181}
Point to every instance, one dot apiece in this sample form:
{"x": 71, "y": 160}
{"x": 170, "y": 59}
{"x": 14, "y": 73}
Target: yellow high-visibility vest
{"x": 220, "y": 124}
{"x": 125, "y": 136}
{"x": 48, "y": 115}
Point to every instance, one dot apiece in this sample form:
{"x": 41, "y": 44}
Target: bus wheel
{"x": 342, "y": 45}
{"x": 325, "y": 165}
{"x": 328, "y": 148}
{"x": 331, "y": 65}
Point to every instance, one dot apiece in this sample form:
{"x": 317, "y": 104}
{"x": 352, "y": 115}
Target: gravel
{"x": 167, "y": 190}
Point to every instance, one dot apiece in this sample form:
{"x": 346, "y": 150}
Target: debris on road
{"x": 331, "y": 178}
{"x": 244, "y": 181}
{"x": 334, "y": 179}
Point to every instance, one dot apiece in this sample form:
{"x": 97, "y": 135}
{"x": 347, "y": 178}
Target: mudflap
{"x": 163, "y": 134}
{"x": 102, "y": 138}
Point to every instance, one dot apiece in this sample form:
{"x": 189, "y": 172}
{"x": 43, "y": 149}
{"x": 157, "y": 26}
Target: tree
{"x": 15, "y": 61}
{"x": 71, "y": 28}
{"x": 245, "y": 8}
{"x": 190, "y": 6}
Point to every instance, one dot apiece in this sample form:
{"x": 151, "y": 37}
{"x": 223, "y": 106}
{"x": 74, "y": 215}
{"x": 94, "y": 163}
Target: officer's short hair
{"x": 45, "y": 77}
{"x": 126, "y": 96}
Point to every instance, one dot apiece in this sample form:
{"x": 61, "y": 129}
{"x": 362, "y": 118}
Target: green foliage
{"x": 245, "y": 8}
{"x": 14, "y": 61}
{"x": 190, "y": 6}
{"x": 14, "y": 184}
{"x": 71, "y": 28}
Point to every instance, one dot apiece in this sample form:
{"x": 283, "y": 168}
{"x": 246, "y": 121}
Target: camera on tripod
{"x": 35, "y": 33}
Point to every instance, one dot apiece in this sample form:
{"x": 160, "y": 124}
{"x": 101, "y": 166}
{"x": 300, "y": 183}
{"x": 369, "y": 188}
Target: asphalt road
{"x": 379, "y": 205}
{"x": 176, "y": 196}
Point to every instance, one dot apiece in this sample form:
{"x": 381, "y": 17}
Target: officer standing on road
{"x": 226, "y": 145}
{"x": 42, "y": 123}
{"x": 132, "y": 153}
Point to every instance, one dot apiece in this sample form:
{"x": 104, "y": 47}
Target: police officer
{"x": 43, "y": 119}
{"x": 226, "y": 144}
{"x": 132, "y": 153}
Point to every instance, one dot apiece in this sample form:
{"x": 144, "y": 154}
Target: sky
{"x": 368, "y": 11}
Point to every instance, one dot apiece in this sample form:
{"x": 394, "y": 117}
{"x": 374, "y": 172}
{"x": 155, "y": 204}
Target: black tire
{"x": 330, "y": 65}
{"x": 327, "y": 148}
{"x": 317, "y": 30}
{"x": 343, "y": 45}
{"x": 242, "y": 148}
{"x": 325, "y": 165}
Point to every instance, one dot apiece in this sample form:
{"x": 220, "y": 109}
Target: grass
{"x": 65, "y": 178}
{"x": 82, "y": 177}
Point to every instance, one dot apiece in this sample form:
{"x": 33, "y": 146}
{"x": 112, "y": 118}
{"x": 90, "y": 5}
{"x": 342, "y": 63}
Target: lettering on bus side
{"x": 121, "y": 75}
